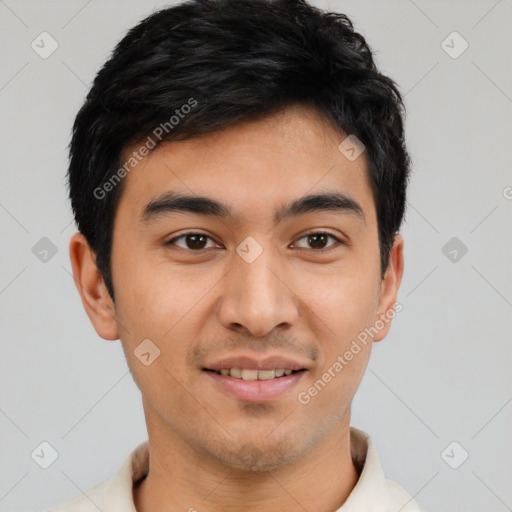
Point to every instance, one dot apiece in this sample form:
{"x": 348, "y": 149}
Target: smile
{"x": 249, "y": 385}
{"x": 251, "y": 374}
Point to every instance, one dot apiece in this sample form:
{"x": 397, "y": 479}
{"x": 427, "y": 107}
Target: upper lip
{"x": 250, "y": 363}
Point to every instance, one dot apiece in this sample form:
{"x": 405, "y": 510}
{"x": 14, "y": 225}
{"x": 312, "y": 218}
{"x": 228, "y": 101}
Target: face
{"x": 252, "y": 278}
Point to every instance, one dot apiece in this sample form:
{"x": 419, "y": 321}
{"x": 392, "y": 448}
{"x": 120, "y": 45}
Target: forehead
{"x": 252, "y": 165}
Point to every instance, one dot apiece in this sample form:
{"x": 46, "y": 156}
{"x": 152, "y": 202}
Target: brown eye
{"x": 195, "y": 241}
{"x": 318, "y": 241}
{"x": 192, "y": 241}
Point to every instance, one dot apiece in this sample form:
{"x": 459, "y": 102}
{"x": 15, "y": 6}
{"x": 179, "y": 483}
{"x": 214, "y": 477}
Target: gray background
{"x": 444, "y": 372}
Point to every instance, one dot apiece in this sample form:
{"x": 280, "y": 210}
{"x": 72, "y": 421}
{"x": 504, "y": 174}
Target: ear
{"x": 95, "y": 297}
{"x": 389, "y": 287}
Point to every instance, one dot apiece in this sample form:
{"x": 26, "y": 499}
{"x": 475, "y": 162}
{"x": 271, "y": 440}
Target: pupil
{"x": 317, "y": 239}
{"x": 196, "y": 241}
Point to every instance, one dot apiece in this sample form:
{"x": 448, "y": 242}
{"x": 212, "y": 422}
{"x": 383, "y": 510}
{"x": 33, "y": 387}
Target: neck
{"x": 181, "y": 479}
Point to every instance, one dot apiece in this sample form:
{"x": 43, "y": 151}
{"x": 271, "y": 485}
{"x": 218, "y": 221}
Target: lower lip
{"x": 256, "y": 390}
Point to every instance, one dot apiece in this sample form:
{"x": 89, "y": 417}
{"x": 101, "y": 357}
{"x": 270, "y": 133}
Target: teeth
{"x": 249, "y": 374}
{"x": 236, "y": 372}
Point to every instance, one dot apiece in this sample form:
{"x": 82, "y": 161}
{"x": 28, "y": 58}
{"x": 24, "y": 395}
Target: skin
{"x": 208, "y": 450}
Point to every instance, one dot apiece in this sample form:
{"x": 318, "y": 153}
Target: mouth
{"x": 252, "y": 374}
{"x": 251, "y": 385}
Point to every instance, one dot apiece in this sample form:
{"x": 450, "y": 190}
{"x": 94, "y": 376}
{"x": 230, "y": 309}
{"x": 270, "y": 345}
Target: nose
{"x": 256, "y": 297}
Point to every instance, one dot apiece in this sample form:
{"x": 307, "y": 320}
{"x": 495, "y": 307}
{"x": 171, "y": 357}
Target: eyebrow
{"x": 174, "y": 202}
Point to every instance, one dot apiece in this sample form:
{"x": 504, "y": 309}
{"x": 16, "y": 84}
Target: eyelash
{"x": 184, "y": 235}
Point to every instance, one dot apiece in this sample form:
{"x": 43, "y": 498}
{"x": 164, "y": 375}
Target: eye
{"x": 192, "y": 241}
{"x": 197, "y": 242}
{"x": 318, "y": 241}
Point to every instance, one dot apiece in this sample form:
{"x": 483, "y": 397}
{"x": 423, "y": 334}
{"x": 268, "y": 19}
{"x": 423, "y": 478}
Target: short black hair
{"x": 203, "y": 65}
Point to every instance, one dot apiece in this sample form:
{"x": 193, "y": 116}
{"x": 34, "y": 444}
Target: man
{"x": 238, "y": 175}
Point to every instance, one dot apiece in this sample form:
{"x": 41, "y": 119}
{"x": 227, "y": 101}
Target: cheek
{"x": 344, "y": 306}
{"x": 167, "y": 306}
{"x": 154, "y": 308}
{"x": 344, "y": 301}
{"x": 154, "y": 297}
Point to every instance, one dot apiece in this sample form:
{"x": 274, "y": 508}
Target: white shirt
{"x": 372, "y": 493}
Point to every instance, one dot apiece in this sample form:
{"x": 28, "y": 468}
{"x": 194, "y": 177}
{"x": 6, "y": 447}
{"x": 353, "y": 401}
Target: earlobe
{"x": 389, "y": 287}
{"x": 95, "y": 297}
